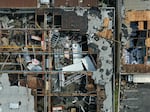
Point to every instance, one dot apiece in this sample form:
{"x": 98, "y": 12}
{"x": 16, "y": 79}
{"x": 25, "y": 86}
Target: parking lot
{"x": 135, "y": 98}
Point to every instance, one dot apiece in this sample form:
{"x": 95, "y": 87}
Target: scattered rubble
{"x": 63, "y": 54}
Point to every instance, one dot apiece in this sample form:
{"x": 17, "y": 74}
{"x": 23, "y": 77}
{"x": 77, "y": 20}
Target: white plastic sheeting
{"x": 86, "y": 61}
{"x": 44, "y": 1}
{"x": 73, "y": 67}
{"x": 14, "y": 105}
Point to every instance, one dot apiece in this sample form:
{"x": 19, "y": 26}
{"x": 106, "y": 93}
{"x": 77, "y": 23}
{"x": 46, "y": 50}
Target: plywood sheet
{"x": 137, "y": 16}
{"x": 105, "y": 34}
{"x": 106, "y": 22}
{"x": 141, "y": 25}
{"x": 147, "y": 42}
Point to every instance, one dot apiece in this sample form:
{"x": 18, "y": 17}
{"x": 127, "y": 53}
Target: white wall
{"x": 141, "y": 78}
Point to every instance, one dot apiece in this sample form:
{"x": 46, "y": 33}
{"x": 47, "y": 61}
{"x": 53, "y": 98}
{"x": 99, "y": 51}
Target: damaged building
{"x": 57, "y": 55}
{"x": 135, "y": 58}
{"x": 135, "y": 40}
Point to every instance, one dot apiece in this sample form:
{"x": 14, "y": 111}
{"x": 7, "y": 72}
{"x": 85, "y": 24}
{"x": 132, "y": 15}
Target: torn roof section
{"x": 67, "y": 20}
{"x": 136, "y": 33}
{"x": 74, "y": 3}
{"x": 55, "y": 3}
{"x": 18, "y": 4}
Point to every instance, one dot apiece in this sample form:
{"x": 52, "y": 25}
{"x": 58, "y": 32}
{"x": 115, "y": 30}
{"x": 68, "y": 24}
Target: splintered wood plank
{"x": 148, "y": 25}
{"x": 141, "y": 25}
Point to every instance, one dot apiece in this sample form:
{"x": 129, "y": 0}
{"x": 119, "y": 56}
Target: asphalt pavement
{"x": 136, "y": 99}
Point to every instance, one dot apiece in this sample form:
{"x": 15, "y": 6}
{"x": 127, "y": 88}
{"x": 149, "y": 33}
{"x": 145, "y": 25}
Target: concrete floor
{"x": 13, "y": 95}
{"x": 103, "y": 75}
